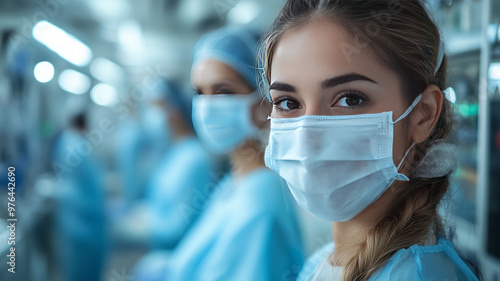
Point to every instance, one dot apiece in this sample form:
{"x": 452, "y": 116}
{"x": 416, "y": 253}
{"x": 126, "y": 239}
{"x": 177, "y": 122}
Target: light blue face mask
{"x": 222, "y": 122}
{"x": 335, "y": 166}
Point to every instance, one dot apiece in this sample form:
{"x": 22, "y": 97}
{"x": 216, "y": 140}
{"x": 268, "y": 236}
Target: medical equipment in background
{"x": 489, "y": 144}
{"x": 471, "y": 32}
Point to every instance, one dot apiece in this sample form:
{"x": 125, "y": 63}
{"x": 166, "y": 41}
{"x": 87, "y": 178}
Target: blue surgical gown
{"x": 178, "y": 190}
{"x": 130, "y": 141}
{"x": 80, "y": 214}
{"x": 417, "y": 263}
{"x": 248, "y": 232}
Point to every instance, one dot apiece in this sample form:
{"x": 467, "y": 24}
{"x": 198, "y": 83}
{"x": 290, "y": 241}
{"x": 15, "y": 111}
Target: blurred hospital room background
{"x": 94, "y": 93}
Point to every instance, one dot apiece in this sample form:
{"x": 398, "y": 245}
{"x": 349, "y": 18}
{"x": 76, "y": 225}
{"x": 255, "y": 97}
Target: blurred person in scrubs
{"x": 80, "y": 213}
{"x": 130, "y": 146}
{"x": 185, "y": 177}
{"x": 142, "y": 141}
{"x": 182, "y": 181}
{"x": 358, "y": 128}
{"x": 249, "y": 229}
{"x": 156, "y": 127}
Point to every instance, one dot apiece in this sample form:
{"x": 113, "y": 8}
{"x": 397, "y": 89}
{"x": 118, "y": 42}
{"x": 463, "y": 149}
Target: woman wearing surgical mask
{"x": 357, "y": 130}
{"x": 248, "y": 230}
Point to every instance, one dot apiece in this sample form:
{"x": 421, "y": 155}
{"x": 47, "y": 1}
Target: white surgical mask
{"x": 222, "y": 122}
{"x": 335, "y": 166}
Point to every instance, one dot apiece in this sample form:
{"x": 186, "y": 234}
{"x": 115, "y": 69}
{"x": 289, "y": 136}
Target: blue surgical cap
{"x": 234, "y": 46}
{"x": 172, "y": 92}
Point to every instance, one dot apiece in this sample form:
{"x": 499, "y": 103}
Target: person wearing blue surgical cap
{"x": 82, "y": 241}
{"x": 129, "y": 149}
{"x": 185, "y": 177}
{"x": 249, "y": 229}
{"x": 180, "y": 183}
{"x": 142, "y": 140}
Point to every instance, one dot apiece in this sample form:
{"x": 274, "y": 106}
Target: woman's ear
{"x": 426, "y": 113}
{"x": 260, "y": 111}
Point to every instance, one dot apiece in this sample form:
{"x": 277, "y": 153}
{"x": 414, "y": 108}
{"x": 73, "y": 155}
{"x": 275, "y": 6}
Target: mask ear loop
{"x": 415, "y": 102}
{"x": 404, "y": 156}
{"x": 399, "y": 176}
{"x": 409, "y": 110}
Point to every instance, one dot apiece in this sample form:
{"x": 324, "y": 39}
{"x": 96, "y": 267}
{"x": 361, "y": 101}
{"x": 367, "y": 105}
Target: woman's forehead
{"x": 212, "y": 71}
{"x": 321, "y": 49}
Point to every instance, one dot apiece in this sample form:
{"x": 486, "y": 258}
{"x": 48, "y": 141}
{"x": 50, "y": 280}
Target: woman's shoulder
{"x": 434, "y": 262}
{"x": 191, "y": 150}
{"x": 262, "y": 184}
{"x": 262, "y": 176}
{"x": 263, "y": 194}
{"x": 314, "y": 260}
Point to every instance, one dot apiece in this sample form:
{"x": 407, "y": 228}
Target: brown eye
{"x": 288, "y": 105}
{"x": 225, "y": 92}
{"x": 347, "y": 101}
{"x": 350, "y": 99}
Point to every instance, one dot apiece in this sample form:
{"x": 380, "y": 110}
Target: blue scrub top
{"x": 128, "y": 152}
{"x": 249, "y": 232}
{"x": 82, "y": 240}
{"x": 82, "y": 195}
{"x": 178, "y": 190}
{"x": 417, "y": 263}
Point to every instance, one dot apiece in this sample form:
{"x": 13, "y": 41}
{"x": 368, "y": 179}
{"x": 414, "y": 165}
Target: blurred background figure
{"x": 80, "y": 211}
{"x": 249, "y": 230}
{"x": 112, "y": 56}
{"x": 180, "y": 182}
{"x": 129, "y": 151}
{"x": 185, "y": 177}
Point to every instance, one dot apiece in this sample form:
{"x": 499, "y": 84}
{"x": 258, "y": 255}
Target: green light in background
{"x": 473, "y": 109}
{"x": 463, "y": 109}
{"x": 468, "y": 109}
{"x": 46, "y": 129}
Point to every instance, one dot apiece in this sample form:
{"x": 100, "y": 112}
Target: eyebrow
{"x": 214, "y": 87}
{"x": 221, "y": 85}
{"x": 329, "y": 83}
{"x": 280, "y": 86}
{"x": 346, "y": 78}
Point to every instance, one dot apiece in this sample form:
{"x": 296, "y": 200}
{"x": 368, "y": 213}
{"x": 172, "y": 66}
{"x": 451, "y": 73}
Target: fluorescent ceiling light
{"x": 494, "y": 71}
{"x": 74, "y": 82}
{"x": 244, "y": 12}
{"x": 106, "y": 70}
{"x": 130, "y": 35}
{"x": 43, "y": 71}
{"x": 109, "y": 9}
{"x": 62, "y": 43}
{"x": 104, "y": 94}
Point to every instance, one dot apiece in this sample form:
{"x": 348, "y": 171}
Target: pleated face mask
{"x": 335, "y": 166}
{"x": 222, "y": 122}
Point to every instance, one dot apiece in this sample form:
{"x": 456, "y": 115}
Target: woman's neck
{"x": 246, "y": 158}
{"x": 350, "y": 234}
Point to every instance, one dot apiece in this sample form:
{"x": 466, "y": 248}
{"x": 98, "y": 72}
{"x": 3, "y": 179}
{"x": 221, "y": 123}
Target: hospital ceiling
{"x": 138, "y": 34}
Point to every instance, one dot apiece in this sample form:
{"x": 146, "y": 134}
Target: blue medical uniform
{"x": 178, "y": 190}
{"x": 248, "y": 232}
{"x": 130, "y": 141}
{"x": 80, "y": 213}
{"x": 417, "y": 263}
